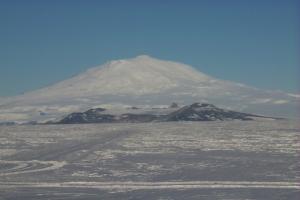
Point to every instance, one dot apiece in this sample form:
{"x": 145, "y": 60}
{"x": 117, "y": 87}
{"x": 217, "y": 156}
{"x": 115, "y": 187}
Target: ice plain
{"x": 172, "y": 160}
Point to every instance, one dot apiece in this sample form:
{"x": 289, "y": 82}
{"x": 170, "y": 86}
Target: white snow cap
{"x": 140, "y": 75}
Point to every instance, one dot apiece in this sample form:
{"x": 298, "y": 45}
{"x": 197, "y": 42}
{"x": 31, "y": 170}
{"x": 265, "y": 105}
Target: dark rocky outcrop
{"x": 79, "y": 118}
{"x": 174, "y": 105}
{"x": 89, "y": 116}
{"x": 205, "y": 112}
{"x": 194, "y": 112}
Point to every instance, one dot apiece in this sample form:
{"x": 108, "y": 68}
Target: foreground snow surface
{"x": 199, "y": 160}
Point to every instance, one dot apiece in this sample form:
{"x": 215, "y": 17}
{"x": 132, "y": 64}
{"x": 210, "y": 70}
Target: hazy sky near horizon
{"x": 254, "y": 42}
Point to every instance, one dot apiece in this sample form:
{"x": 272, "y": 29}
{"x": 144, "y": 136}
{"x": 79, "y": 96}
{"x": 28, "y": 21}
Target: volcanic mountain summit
{"x": 138, "y": 76}
{"x": 145, "y": 82}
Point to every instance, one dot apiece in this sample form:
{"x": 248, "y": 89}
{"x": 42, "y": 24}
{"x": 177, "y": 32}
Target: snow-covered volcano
{"x": 137, "y": 76}
{"x": 144, "y": 81}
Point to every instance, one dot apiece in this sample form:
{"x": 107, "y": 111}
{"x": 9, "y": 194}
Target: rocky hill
{"x": 194, "y": 112}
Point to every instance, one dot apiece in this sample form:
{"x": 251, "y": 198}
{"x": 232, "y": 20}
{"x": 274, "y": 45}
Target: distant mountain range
{"x": 143, "y": 82}
{"x": 194, "y": 112}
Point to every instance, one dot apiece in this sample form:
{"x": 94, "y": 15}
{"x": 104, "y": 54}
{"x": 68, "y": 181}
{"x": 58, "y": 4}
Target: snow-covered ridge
{"x": 145, "y": 82}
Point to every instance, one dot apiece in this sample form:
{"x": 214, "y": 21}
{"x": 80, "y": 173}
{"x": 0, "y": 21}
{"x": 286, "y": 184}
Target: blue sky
{"x": 254, "y": 42}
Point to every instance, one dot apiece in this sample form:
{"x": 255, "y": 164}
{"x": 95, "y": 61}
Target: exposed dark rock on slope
{"x": 90, "y": 116}
{"x": 205, "y": 112}
{"x": 174, "y": 105}
{"x": 194, "y": 112}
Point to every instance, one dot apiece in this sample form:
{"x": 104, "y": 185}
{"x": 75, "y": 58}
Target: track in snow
{"x": 20, "y": 167}
{"x": 156, "y": 185}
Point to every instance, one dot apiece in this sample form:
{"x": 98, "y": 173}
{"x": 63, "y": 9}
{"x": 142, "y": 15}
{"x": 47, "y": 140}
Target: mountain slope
{"x": 206, "y": 112}
{"x": 138, "y": 76}
{"x": 144, "y": 81}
